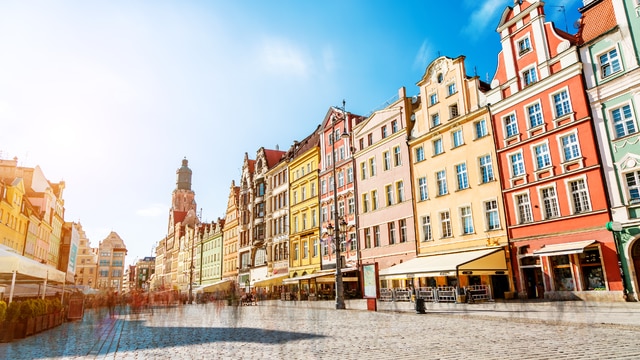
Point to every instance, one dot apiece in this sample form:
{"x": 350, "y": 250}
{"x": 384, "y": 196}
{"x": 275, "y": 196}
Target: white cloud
{"x": 479, "y": 19}
{"x": 424, "y": 56}
{"x": 152, "y": 210}
{"x": 280, "y": 57}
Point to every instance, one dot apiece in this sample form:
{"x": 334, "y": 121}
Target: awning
{"x": 320, "y": 273}
{"x": 271, "y": 281}
{"x": 576, "y": 247}
{"x": 16, "y": 269}
{"x": 477, "y": 262}
{"x": 219, "y": 285}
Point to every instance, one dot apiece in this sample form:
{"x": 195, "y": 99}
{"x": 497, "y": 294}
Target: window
{"x": 524, "y": 209}
{"x": 313, "y": 189}
{"x": 305, "y": 249}
{"x": 451, "y": 89}
{"x": 315, "y": 248}
{"x": 392, "y": 233}
{"x": 481, "y": 128}
{"x": 295, "y": 252}
{"x": 303, "y": 192}
{"x": 433, "y": 99}
{"x": 445, "y": 224}
{"x": 422, "y": 188}
{"x": 579, "y": 196}
{"x": 400, "y": 191}
{"x": 389, "y": 192}
{"x": 363, "y": 170}
{"x": 376, "y": 236}
{"x": 365, "y": 202}
{"x": 529, "y": 76}
{"x": 367, "y": 238}
{"x": 349, "y": 175}
{"x": 609, "y": 63}
{"x": 461, "y": 174}
{"x": 426, "y": 228}
{"x": 486, "y": 169}
{"x": 419, "y": 154}
{"x": 543, "y": 157}
{"x": 561, "y": 103}
{"x": 517, "y": 164}
{"x": 369, "y": 139}
{"x": 394, "y": 126}
{"x": 397, "y": 157}
{"x": 383, "y": 131}
{"x": 441, "y": 180}
{"x": 323, "y": 186}
{"x": 535, "y": 115}
{"x": 352, "y": 205}
{"x": 437, "y": 147}
{"x": 570, "y": 147}
{"x": 374, "y": 199}
{"x": 524, "y": 46}
{"x": 623, "y": 121}
{"x": 510, "y": 125}
{"x": 361, "y": 143}
{"x": 440, "y": 78}
{"x": 466, "y": 219}
{"x": 403, "y": 230}
{"x": 435, "y": 120}
{"x": 453, "y": 111}
{"x": 550, "y": 203}
{"x": 491, "y": 214}
{"x": 386, "y": 160}
{"x": 340, "y": 208}
{"x": 457, "y": 138}
{"x": 325, "y": 215}
{"x": 372, "y": 167}
{"x": 633, "y": 186}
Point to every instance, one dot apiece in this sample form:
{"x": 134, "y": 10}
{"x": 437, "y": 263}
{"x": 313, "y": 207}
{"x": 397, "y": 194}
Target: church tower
{"x": 183, "y": 198}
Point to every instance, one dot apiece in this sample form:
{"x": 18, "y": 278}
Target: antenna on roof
{"x": 561, "y": 8}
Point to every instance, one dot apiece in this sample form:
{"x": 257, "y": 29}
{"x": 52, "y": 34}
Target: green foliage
{"x": 40, "y": 307}
{"x": 27, "y": 309}
{"x": 3, "y": 310}
{"x": 54, "y": 305}
{"x": 13, "y": 311}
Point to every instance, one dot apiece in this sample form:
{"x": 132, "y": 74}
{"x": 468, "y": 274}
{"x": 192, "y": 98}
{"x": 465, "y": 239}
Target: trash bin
{"x": 420, "y": 306}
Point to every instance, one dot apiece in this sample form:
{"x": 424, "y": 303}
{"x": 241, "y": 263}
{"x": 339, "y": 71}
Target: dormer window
{"x": 524, "y": 46}
{"x": 440, "y": 78}
{"x": 451, "y": 89}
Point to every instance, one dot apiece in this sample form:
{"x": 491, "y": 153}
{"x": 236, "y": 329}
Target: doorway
{"x": 635, "y": 260}
{"x": 533, "y": 283}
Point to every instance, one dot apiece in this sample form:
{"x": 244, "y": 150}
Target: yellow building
{"x": 230, "y": 235}
{"x": 304, "y": 230}
{"x": 86, "y": 261}
{"x": 460, "y": 226}
{"x": 13, "y": 214}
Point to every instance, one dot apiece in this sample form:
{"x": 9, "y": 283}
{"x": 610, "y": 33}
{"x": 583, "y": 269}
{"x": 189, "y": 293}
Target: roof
{"x": 597, "y": 18}
{"x": 273, "y": 157}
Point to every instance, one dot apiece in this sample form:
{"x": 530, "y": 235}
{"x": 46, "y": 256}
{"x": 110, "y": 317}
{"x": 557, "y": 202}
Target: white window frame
{"x": 529, "y": 76}
{"x": 433, "y": 99}
{"x": 466, "y": 219}
{"x": 441, "y": 182}
{"x": 386, "y": 160}
{"x": 457, "y": 138}
{"x": 635, "y": 173}
{"x": 435, "y": 120}
{"x": 510, "y": 121}
{"x": 425, "y": 222}
{"x": 523, "y": 50}
{"x": 512, "y": 163}
{"x": 423, "y": 191}
{"x": 462, "y": 176}
{"x": 565, "y": 104}
{"x": 574, "y": 146}
{"x": 626, "y": 123}
{"x": 486, "y": 168}
{"x": 544, "y": 155}
{"x": 554, "y": 205}
{"x": 609, "y": 62}
{"x": 437, "y": 145}
{"x": 538, "y": 115}
{"x": 451, "y": 89}
{"x": 482, "y": 126}
{"x": 491, "y": 212}
{"x": 397, "y": 156}
{"x": 419, "y": 152}
{"x": 583, "y": 195}
{"x": 524, "y": 210}
{"x": 446, "y": 231}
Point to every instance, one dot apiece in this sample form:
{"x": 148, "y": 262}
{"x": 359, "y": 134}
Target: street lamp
{"x": 337, "y": 227}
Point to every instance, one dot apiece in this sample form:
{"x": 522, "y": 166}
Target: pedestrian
{"x": 111, "y": 303}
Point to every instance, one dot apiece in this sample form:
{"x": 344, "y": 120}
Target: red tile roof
{"x": 597, "y": 19}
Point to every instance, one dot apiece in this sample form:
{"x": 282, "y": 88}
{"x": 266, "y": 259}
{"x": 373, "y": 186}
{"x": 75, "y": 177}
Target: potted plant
{"x": 38, "y": 314}
{"x": 10, "y": 320}
{"x": 27, "y": 316}
{"x": 14, "y": 311}
{"x": 56, "y": 309}
{"x": 3, "y": 311}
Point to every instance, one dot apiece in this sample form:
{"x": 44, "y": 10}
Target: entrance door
{"x": 635, "y": 260}
{"x": 500, "y": 284}
{"x": 533, "y": 283}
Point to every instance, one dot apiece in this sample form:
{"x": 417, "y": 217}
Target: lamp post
{"x": 336, "y": 227}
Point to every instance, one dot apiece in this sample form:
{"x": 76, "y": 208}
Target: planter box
{"x": 6, "y": 331}
{"x": 31, "y": 326}
{"x": 38, "y": 326}
{"x": 51, "y": 319}
{"x": 20, "y": 329}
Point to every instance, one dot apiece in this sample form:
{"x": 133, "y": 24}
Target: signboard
{"x": 369, "y": 278}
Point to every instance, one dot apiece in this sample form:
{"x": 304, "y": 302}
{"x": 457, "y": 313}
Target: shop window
{"x": 591, "y": 266}
{"x": 562, "y": 276}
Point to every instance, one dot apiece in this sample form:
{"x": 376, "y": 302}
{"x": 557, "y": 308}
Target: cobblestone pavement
{"x": 274, "y": 330}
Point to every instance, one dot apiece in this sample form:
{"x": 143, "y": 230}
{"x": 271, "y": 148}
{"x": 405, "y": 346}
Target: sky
{"x": 110, "y": 96}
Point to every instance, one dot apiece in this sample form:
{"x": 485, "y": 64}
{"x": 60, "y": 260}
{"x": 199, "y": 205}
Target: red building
{"x": 554, "y": 195}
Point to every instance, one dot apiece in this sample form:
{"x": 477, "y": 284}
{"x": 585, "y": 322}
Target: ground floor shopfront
{"x": 568, "y": 267}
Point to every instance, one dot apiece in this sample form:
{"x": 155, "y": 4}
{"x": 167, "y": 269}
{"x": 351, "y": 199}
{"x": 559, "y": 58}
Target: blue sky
{"x": 111, "y": 96}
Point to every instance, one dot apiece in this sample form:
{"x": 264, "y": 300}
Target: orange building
{"x": 553, "y": 190}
